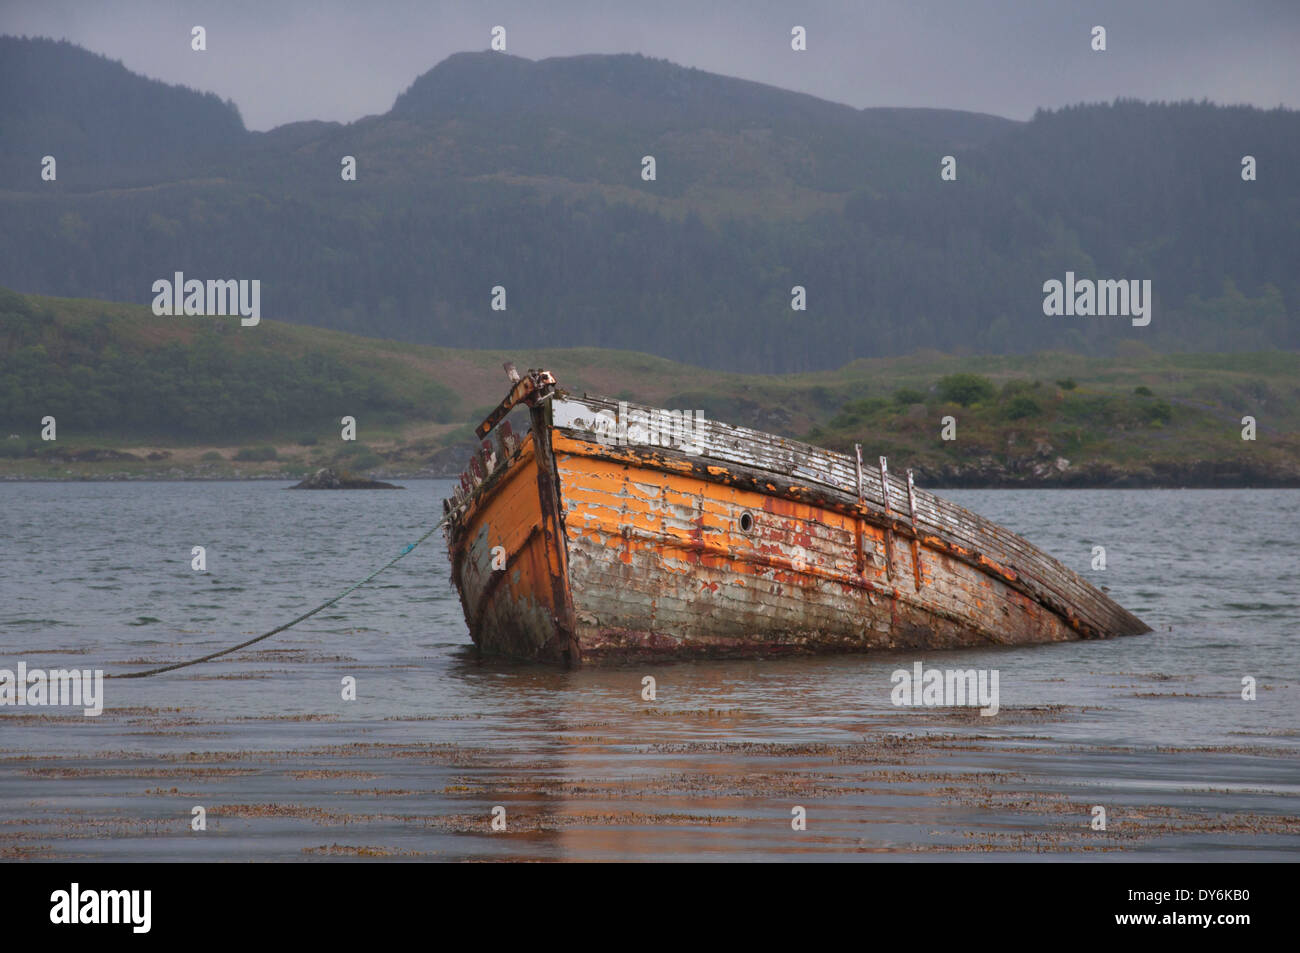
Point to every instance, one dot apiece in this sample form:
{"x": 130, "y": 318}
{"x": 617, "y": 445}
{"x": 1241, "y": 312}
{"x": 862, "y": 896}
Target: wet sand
{"x": 627, "y": 778}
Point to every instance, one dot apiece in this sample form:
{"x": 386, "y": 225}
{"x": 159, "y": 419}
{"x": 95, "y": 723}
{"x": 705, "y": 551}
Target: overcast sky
{"x": 288, "y": 60}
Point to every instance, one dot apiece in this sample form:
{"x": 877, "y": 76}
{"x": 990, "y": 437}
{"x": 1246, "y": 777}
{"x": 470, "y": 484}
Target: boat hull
{"x": 738, "y": 543}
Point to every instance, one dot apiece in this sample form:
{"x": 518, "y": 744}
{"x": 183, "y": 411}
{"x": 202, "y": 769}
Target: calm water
{"x": 1152, "y": 727}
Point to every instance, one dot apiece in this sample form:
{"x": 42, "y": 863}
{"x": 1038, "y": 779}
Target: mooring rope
{"x": 287, "y": 625}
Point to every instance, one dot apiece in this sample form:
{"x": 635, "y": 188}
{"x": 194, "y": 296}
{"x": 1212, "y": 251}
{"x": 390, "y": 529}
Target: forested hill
{"x": 495, "y": 170}
{"x": 112, "y": 124}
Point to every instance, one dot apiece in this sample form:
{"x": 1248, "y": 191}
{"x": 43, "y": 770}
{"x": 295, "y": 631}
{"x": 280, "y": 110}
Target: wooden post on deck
{"x": 861, "y": 560}
{"x": 916, "y": 536}
{"x": 889, "y": 533}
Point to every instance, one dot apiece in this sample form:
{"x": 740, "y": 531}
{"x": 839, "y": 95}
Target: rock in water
{"x": 329, "y": 479}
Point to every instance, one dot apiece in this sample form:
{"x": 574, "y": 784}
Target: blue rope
{"x": 281, "y": 628}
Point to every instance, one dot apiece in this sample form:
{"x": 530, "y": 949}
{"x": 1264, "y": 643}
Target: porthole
{"x": 746, "y": 522}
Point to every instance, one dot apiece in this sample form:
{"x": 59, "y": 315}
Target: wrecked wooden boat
{"x": 616, "y": 531}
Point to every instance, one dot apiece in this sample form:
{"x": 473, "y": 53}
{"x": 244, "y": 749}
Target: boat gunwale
{"x": 460, "y": 514}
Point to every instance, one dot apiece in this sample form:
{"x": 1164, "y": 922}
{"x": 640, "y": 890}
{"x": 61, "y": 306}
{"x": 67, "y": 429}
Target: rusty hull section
{"x": 505, "y": 535}
{"x": 660, "y": 565}
{"x": 510, "y": 611}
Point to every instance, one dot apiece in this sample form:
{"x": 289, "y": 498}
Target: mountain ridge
{"x": 758, "y": 190}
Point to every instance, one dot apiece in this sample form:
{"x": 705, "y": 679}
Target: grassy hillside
{"x": 137, "y": 395}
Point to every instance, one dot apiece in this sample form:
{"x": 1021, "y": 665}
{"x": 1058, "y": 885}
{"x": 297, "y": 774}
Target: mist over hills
{"x": 495, "y": 170}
